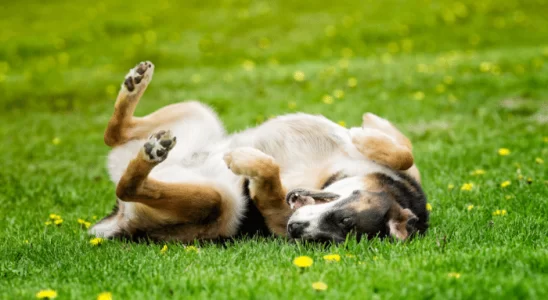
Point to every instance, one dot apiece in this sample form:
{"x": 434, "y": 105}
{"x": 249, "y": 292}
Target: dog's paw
{"x": 296, "y": 199}
{"x": 158, "y": 146}
{"x": 138, "y": 78}
{"x": 250, "y": 162}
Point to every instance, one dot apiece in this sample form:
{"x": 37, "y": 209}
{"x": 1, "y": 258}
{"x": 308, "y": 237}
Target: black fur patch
{"x": 115, "y": 210}
{"x": 253, "y": 222}
{"x": 408, "y": 196}
{"x": 129, "y": 84}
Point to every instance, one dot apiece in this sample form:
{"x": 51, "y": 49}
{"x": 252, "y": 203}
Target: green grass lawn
{"x": 461, "y": 79}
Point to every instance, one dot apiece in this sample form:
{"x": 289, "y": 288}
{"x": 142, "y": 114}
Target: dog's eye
{"x": 346, "y": 222}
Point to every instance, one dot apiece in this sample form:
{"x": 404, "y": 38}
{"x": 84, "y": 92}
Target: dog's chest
{"x": 195, "y": 159}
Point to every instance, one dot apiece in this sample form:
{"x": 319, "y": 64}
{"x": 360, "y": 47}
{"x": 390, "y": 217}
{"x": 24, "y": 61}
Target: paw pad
{"x": 139, "y": 76}
{"x": 159, "y": 145}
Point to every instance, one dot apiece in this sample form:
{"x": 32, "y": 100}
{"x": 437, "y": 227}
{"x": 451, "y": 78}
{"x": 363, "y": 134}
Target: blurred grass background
{"x": 461, "y": 79}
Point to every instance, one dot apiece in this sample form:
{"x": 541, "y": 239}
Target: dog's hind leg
{"x": 124, "y": 126}
{"x": 397, "y": 148}
{"x": 265, "y": 186}
{"x": 201, "y": 207}
{"x": 381, "y": 148}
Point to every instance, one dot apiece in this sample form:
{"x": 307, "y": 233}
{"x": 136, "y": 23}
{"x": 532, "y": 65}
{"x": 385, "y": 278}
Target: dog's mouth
{"x": 298, "y": 198}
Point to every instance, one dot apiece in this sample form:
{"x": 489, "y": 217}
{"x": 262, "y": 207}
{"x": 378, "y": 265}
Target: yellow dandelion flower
{"x": 26, "y": 241}
{"x": 467, "y": 187}
{"x": 164, "y": 249}
{"x": 454, "y": 275}
{"x": 418, "y": 95}
{"x": 292, "y": 104}
{"x": 539, "y": 160}
{"x": 54, "y": 216}
{"x": 299, "y": 76}
{"x": 327, "y": 99}
{"x": 504, "y": 151}
{"x": 192, "y": 249}
{"x": 96, "y": 241}
{"x": 352, "y": 82}
{"x": 46, "y": 294}
{"x": 529, "y": 180}
{"x": 303, "y": 261}
{"x": 332, "y": 257}
{"x": 248, "y": 65}
{"x": 319, "y": 286}
{"x": 56, "y": 141}
{"x": 428, "y": 207}
{"x": 500, "y": 212}
{"x": 58, "y": 222}
{"x": 47, "y": 223}
{"x": 505, "y": 184}
{"x": 84, "y": 223}
{"x": 478, "y": 172}
{"x": 104, "y": 296}
{"x": 470, "y": 207}
{"x": 342, "y": 123}
{"x": 338, "y": 94}
{"x": 450, "y": 186}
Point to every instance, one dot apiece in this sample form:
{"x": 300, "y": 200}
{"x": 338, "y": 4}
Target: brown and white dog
{"x": 179, "y": 177}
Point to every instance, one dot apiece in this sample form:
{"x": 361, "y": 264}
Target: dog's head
{"x": 348, "y": 206}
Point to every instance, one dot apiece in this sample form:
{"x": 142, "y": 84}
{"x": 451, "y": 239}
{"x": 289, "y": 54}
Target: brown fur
{"x": 185, "y": 211}
{"x": 172, "y": 203}
{"x": 399, "y": 156}
{"x": 265, "y": 186}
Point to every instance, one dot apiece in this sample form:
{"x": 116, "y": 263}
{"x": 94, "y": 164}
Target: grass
{"x": 461, "y": 79}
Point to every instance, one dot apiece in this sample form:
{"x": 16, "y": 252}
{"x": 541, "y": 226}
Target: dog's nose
{"x": 296, "y": 229}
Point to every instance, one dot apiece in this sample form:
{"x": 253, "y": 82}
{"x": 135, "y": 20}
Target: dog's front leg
{"x": 265, "y": 186}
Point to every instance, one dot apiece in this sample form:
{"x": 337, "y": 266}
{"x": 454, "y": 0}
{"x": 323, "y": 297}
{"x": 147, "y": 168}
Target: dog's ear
{"x": 401, "y": 222}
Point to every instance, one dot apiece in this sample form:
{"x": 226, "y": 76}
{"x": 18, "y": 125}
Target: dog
{"x": 179, "y": 176}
